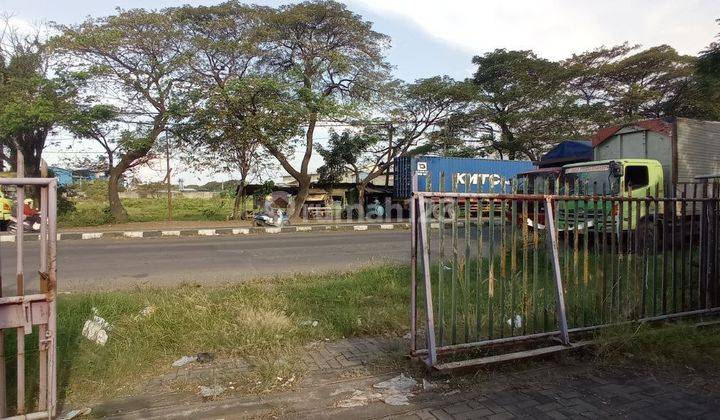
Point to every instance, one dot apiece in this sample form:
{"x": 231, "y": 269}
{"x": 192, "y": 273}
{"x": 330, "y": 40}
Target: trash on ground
{"x": 146, "y": 312}
{"x": 359, "y": 399}
{"x": 211, "y": 391}
{"x": 397, "y": 390}
{"x": 427, "y": 385}
{"x": 396, "y": 399}
{"x": 518, "y": 321}
{"x": 313, "y": 323}
{"x": 184, "y": 361}
{"x": 76, "y": 413}
{"x": 205, "y": 357}
{"x": 400, "y": 383}
{"x": 407, "y": 336}
{"x": 96, "y": 328}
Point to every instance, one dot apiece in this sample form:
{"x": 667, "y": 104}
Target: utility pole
{"x": 167, "y": 176}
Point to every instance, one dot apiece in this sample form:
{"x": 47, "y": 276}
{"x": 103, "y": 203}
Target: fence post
{"x": 429, "y": 316}
{"x": 413, "y": 265}
{"x": 559, "y": 291}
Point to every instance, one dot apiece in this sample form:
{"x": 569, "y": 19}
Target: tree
{"x": 649, "y": 84}
{"x": 34, "y": 101}
{"x": 703, "y": 99}
{"x": 331, "y": 59}
{"x": 98, "y": 123}
{"x": 412, "y": 112}
{"x": 521, "y": 106}
{"x": 226, "y": 118}
{"x": 134, "y": 58}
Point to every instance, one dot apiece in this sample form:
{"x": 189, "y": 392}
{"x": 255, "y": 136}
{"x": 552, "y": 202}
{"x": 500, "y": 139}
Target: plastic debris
{"x": 518, "y": 321}
{"x": 359, "y": 399}
{"x": 211, "y": 391}
{"x": 400, "y": 383}
{"x": 427, "y": 385}
{"x": 312, "y": 323}
{"x": 96, "y": 329}
{"x": 397, "y": 399}
{"x": 146, "y": 312}
{"x": 76, "y": 413}
{"x": 397, "y": 390}
{"x": 184, "y": 361}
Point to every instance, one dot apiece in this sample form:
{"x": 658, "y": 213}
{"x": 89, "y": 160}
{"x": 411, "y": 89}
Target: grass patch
{"x": 260, "y": 321}
{"x": 97, "y": 212}
{"x": 678, "y": 347}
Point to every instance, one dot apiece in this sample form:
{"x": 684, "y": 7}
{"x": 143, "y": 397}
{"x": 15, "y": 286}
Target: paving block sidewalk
{"x": 337, "y": 370}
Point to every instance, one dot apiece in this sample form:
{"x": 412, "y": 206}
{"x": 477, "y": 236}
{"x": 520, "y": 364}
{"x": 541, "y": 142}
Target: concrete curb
{"x": 140, "y": 234}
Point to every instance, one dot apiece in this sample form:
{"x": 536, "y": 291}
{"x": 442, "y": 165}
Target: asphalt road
{"x": 85, "y": 265}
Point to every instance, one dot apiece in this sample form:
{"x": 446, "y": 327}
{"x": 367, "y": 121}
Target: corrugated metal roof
{"x": 658, "y": 125}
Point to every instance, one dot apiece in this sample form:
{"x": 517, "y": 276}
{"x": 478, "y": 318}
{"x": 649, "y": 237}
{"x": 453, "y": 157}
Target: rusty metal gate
{"x": 508, "y": 268}
{"x": 31, "y": 308}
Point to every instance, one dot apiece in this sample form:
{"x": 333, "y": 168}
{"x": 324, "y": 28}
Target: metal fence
{"x": 23, "y": 313}
{"x": 492, "y": 269}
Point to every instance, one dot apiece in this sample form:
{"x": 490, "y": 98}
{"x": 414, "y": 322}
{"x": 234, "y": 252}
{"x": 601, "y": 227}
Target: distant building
{"x": 70, "y": 176}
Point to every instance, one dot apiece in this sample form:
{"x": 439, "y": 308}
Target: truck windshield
{"x": 536, "y": 183}
{"x": 589, "y": 180}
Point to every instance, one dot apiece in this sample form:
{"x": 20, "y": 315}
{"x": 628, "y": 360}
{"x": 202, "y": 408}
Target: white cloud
{"x": 557, "y": 28}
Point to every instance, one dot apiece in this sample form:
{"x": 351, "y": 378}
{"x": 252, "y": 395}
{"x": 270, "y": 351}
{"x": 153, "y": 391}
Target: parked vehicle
{"x": 459, "y": 174}
{"x": 656, "y": 158}
{"x": 277, "y": 219}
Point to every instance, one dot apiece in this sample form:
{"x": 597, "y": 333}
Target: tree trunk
{"x": 303, "y": 191}
{"x": 361, "y": 199}
{"x": 239, "y": 204}
{"x": 117, "y": 209}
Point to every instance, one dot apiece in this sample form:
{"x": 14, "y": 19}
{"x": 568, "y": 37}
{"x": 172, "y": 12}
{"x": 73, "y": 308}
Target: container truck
{"x": 460, "y": 174}
{"x": 658, "y": 158}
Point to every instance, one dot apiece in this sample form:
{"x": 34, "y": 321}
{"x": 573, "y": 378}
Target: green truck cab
{"x": 608, "y": 178}
{"x": 6, "y": 212}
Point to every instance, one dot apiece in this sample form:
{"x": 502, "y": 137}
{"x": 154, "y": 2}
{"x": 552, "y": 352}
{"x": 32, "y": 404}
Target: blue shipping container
{"x": 486, "y": 175}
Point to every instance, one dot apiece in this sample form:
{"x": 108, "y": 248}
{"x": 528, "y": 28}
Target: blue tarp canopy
{"x": 566, "y": 152}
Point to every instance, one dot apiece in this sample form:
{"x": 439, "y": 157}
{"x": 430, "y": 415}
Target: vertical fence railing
{"x": 499, "y": 265}
{"x": 31, "y": 310}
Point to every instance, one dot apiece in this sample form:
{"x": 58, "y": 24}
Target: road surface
{"x": 86, "y": 265}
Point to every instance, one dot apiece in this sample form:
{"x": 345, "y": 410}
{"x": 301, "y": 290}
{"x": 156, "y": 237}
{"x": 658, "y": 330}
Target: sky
{"x": 431, "y": 37}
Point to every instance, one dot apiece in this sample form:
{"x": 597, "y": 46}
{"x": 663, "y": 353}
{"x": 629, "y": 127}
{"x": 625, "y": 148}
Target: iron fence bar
{"x": 525, "y": 300}
{"x": 413, "y": 263}
{"x": 692, "y": 236}
{"x": 503, "y": 260}
{"x": 454, "y": 265}
{"x": 479, "y": 266}
{"x": 542, "y": 197}
{"x": 466, "y": 266}
{"x": 559, "y": 290}
{"x": 505, "y": 340}
{"x": 429, "y": 314}
{"x": 491, "y": 266}
{"x": 513, "y": 261}
{"x": 42, "y": 329}
{"x": 703, "y": 246}
{"x": 683, "y": 216}
{"x": 536, "y": 241}
{"x": 20, "y": 276}
{"x": 441, "y": 264}
{"x": 51, "y": 333}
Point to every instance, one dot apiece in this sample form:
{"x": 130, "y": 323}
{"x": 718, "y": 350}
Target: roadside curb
{"x": 174, "y": 233}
